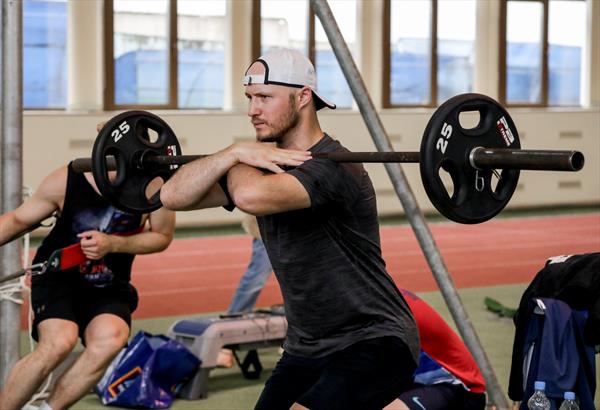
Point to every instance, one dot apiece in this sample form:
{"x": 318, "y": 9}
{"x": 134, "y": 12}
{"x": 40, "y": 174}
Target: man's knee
{"x": 105, "y": 337}
{"x": 57, "y": 345}
{"x": 102, "y": 350}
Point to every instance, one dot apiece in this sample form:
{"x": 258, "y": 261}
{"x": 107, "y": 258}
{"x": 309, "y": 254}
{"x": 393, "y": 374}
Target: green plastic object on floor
{"x": 496, "y": 307}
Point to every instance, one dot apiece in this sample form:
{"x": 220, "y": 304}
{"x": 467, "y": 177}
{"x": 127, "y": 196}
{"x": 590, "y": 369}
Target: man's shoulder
{"x": 330, "y": 168}
{"x": 60, "y": 173}
{"x": 328, "y": 144}
{"x": 56, "y": 180}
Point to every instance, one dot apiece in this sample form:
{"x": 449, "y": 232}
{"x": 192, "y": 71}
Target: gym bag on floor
{"x": 147, "y": 373}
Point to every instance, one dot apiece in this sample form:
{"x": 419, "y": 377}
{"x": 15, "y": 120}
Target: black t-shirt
{"x": 327, "y": 259}
{"x": 84, "y": 209}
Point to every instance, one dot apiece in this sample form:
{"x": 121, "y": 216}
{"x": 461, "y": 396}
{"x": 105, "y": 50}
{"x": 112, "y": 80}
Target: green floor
{"x": 228, "y": 390}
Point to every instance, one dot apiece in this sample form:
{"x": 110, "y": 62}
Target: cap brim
{"x": 321, "y": 102}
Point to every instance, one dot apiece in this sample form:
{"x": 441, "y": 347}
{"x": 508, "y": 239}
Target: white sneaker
{"x": 30, "y": 407}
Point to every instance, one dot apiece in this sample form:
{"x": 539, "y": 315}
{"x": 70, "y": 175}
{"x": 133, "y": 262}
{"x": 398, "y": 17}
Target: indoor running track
{"x": 200, "y": 275}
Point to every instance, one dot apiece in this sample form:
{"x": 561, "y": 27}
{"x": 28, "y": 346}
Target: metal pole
{"x": 12, "y": 177}
{"x": 407, "y": 198}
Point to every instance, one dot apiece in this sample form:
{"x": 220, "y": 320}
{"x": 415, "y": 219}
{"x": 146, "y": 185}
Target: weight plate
{"x": 456, "y": 189}
{"x": 126, "y": 137}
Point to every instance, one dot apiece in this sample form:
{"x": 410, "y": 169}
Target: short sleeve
{"x": 328, "y": 182}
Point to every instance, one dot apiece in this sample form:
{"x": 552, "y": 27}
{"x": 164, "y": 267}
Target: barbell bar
{"x": 479, "y": 158}
{"x": 481, "y": 164}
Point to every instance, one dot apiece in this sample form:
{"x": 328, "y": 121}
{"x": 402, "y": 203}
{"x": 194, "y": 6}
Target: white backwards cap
{"x": 289, "y": 68}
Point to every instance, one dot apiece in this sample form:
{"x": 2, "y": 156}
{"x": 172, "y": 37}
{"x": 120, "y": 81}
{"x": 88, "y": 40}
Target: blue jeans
{"x": 253, "y": 280}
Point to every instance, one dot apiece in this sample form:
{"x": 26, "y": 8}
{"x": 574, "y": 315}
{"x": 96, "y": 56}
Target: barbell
{"x": 469, "y": 174}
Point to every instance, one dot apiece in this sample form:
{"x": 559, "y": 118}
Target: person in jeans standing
{"x": 256, "y": 274}
{"x": 251, "y": 283}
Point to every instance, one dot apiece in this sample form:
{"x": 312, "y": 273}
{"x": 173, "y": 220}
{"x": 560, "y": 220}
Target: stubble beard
{"x": 281, "y": 128}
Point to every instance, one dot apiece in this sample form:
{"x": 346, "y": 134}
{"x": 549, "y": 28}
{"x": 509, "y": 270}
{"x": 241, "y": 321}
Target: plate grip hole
{"x": 469, "y": 120}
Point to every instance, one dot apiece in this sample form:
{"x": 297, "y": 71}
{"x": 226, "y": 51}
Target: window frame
{"x": 386, "y": 59}
{"x": 109, "y": 65}
{"x": 257, "y": 30}
{"x": 310, "y": 36}
{"x": 503, "y": 49}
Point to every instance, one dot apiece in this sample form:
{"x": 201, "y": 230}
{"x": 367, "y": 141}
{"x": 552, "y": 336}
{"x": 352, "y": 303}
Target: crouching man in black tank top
{"x": 94, "y": 299}
{"x": 351, "y": 341}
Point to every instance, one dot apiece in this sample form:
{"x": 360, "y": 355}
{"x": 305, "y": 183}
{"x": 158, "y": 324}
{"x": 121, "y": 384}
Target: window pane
{"x": 566, "y": 39}
{"x": 201, "y": 55}
{"x": 524, "y": 52}
{"x": 283, "y": 24}
{"x": 456, "y": 47}
{"x": 410, "y": 50}
{"x": 140, "y": 52}
{"x": 45, "y": 54}
{"x": 330, "y": 79}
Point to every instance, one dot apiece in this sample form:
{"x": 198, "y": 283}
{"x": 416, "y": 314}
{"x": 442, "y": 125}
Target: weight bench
{"x": 205, "y": 337}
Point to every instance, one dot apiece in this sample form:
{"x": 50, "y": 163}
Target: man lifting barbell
{"x": 351, "y": 341}
{"x": 84, "y": 289}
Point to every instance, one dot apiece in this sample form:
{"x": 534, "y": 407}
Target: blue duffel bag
{"x": 147, "y": 373}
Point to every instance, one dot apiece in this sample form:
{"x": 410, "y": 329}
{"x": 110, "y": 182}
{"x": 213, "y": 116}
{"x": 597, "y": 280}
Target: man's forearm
{"x": 10, "y": 229}
{"x": 191, "y": 184}
{"x": 142, "y": 243}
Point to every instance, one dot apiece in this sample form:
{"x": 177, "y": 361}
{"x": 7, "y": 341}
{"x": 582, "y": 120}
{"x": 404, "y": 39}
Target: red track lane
{"x": 201, "y": 274}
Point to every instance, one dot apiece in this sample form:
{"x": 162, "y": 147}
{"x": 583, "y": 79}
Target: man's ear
{"x": 305, "y": 97}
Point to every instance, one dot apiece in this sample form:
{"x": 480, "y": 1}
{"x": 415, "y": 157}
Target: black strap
{"x": 251, "y": 359}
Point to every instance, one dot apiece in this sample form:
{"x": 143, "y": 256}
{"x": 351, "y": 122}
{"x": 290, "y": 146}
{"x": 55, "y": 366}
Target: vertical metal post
{"x": 407, "y": 198}
{"x": 12, "y": 177}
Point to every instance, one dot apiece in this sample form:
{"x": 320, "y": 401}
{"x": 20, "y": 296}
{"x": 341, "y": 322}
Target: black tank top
{"x": 83, "y": 210}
